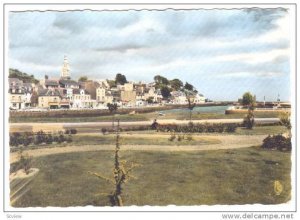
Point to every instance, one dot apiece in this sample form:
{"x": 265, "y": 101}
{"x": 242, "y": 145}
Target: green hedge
{"x": 27, "y": 138}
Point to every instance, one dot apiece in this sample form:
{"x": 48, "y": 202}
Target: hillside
{"x": 26, "y": 78}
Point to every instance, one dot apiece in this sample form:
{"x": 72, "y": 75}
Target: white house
{"x": 199, "y": 98}
{"x": 82, "y": 99}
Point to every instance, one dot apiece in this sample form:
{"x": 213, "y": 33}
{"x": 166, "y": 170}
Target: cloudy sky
{"x": 223, "y": 53}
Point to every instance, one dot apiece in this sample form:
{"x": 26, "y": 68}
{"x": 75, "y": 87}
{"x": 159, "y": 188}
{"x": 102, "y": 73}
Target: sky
{"x": 222, "y": 52}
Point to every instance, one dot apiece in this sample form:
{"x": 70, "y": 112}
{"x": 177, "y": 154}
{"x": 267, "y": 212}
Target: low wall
{"x": 245, "y": 111}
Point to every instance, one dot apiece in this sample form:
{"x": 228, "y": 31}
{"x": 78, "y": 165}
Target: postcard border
{"x": 196, "y": 4}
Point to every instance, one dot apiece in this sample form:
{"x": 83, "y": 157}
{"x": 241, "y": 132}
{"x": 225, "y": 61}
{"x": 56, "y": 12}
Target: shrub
{"x": 48, "y": 139}
{"x": 249, "y": 120}
{"x": 230, "y": 127}
{"x": 104, "y": 131}
{"x": 180, "y": 137}
{"x": 172, "y": 137}
{"x": 189, "y": 137}
{"x": 40, "y": 137}
{"x": 285, "y": 120}
{"x": 69, "y": 139}
{"x": 278, "y": 142}
{"x": 26, "y": 138}
{"x": 199, "y": 128}
{"x": 25, "y": 163}
{"x": 73, "y": 131}
{"x": 55, "y": 139}
{"x": 61, "y": 138}
{"x": 14, "y": 139}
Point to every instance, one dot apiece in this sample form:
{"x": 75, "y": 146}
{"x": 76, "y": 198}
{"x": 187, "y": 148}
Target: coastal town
{"x": 67, "y": 93}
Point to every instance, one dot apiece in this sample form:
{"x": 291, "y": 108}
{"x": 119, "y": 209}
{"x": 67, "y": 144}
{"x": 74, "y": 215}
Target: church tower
{"x": 65, "y": 71}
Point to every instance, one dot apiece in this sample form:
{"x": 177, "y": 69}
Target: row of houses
{"x": 67, "y": 93}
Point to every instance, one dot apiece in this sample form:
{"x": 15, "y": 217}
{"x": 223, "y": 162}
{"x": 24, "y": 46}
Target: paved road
{"x": 90, "y": 126}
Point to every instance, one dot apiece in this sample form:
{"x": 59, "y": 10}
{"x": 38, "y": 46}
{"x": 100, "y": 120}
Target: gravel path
{"x": 227, "y": 142}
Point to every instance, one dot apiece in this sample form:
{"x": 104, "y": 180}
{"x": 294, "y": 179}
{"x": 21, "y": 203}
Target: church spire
{"x": 65, "y": 71}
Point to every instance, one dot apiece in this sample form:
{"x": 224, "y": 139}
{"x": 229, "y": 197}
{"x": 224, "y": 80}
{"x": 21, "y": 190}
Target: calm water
{"x": 202, "y": 109}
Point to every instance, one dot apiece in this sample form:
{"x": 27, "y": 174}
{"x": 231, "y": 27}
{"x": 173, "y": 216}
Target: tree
{"x": 188, "y": 86}
{"x": 248, "y": 99}
{"x": 120, "y": 79}
{"x": 249, "y": 119}
{"x": 176, "y": 84}
{"x": 150, "y": 100}
{"x": 190, "y": 96}
{"x": 121, "y": 173}
{"x": 165, "y": 92}
{"x": 161, "y": 80}
{"x": 111, "y": 83}
{"x": 112, "y": 109}
{"x": 34, "y": 98}
{"x": 83, "y": 79}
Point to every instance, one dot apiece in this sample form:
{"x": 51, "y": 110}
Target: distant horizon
{"x": 223, "y": 53}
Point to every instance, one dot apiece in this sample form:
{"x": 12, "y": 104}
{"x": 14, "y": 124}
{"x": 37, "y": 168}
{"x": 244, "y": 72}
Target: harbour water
{"x": 200, "y": 109}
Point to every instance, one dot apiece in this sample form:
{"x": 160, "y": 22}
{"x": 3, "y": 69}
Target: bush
{"x": 172, "y": 137}
{"x": 249, "y": 120}
{"x": 25, "y": 163}
{"x": 210, "y": 128}
{"x": 27, "y": 138}
{"x": 104, "y": 131}
{"x": 14, "y": 139}
{"x": 61, "y": 138}
{"x": 48, "y": 139}
{"x": 40, "y": 137}
{"x": 180, "y": 137}
{"x": 189, "y": 137}
{"x": 69, "y": 138}
{"x": 73, "y": 131}
{"x": 278, "y": 142}
{"x": 230, "y": 128}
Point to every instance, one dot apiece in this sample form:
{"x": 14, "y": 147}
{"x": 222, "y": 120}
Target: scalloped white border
{"x": 289, "y": 207}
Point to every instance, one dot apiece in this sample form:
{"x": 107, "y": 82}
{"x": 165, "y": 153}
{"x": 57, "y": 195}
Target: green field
{"x": 240, "y": 176}
{"x": 142, "y": 117}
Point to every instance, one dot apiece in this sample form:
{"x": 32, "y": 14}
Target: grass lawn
{"x": 240, "y": 176}
{"x": 142, "y": 117}
{"x": 126, "y": 117}
{"x": 105, "y": 139}
{"x": 258, "y": 130}
{"x": 206, "y": 115}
